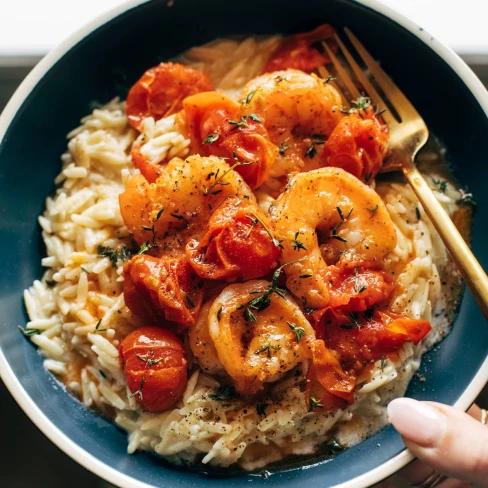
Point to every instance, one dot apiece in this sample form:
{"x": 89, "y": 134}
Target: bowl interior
{"x": 105, "y": 64}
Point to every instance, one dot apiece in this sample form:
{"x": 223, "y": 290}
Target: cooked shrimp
{"x": 179, "y": 204}
{"x": 333, "y": 216}
{"x": 258, "y": 339}
{"x": 299, "y": 111}
{"x": 202, "y": 345}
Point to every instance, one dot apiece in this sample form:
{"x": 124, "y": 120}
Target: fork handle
{"x": 469, "y": 267}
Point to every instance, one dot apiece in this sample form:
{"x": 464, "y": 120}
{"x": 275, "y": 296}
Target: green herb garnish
{"x": 299, "y": 331}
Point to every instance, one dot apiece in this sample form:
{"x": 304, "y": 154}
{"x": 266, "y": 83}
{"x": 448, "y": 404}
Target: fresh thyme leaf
{"x": 84, "y": 270}
{"x": 29, "y": 332}
{"x": 299, "y": 331}
{"x": 329, "y": 78}
{"x": 102, "y": 374}
{"x": 190, "y": 301}
{"x": 249, "y": 96}
{"x": 97, "y": 327}
{"x": 368, "y": 314}
{"x": 221, "y": 393}
{"x": 314, "y": 403}
{"x": 240, "y": 307}
{"x": 361, "y": 104}
{"x": 149, "y": 360}
{"x": 211, "y": 138}
{"x": 282, "y": 148}
{"x": 218, "y": 181}
{"x": 158, "y": 215}
{"x": 355, "y": 322}
{"x": 261, "y": 409}
{"x": 341, "y": 214}
{"x": 50, "y": 283}
{"x": 249, "y": 315}
{"x": 306, "y": 276}
{"x": 383, "y": 362}
{"x": 146, "y": 247}
{"x": 297, "y": 245}
{"x": 373, "y": 210}
{"x": 311, "y": 151}
{"x": 241, "y": 123}
{"x": 176, "y": 216}
{"x": 358, "y": 287}
{"x": 219, "y": 314}
{"x": 150, "y": 229}
{"x": 254, "y": 222}
{"x": 267, "y": 348}
{"x": 339, "y": 238}
{"x": 368, "y": 177}
{"x": 113, "y": 254}
{"x": 417, "y": 213}
{"x": 255, "y": 117}
{"x": 442, "y": 184}
{"x": 139, "y": 391}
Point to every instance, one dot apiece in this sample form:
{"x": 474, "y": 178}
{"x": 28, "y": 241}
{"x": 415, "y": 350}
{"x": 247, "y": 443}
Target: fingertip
{"x": 417, "y": 421}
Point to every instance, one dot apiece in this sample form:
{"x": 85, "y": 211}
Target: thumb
{"x": 450, "y": 441}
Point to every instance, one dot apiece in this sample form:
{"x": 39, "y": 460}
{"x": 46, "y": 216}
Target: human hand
{"x": 444, "y": 440}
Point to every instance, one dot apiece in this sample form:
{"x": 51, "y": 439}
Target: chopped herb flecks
{"x": 221, "y": 393}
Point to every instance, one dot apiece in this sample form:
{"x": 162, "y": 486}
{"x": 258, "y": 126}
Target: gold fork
{"x": 407, "y": 137}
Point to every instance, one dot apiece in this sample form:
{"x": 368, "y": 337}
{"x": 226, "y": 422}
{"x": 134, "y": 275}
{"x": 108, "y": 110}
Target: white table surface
{"x": 33, "y": 27}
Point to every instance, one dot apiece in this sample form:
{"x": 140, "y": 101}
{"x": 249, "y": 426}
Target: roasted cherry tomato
{"x": 356, "y": 288}
{"x": 216, "y": 127}
{"x": 161, "y": 90}
{"x": 328, "y": 386}
{"x": 155, "y": 367}
{"x": 358, "y": 144}
{"x": 149, "y": 170}
{"x": 299, "y": 51}
{"x": 162, "y": 289}
{"x": 236, "y": 244}
{"x": 359, "y": 338}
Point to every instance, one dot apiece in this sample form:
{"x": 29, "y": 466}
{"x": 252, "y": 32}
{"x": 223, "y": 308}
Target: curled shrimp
{"x": 258, "y": 339}
{"x": 299, "y": 112}
{"x": 334, "y": 217}
{"x": 201, "y": 343}
{"x": 178, "y": 205}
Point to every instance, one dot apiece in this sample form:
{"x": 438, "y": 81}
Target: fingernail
{"x": 417, "y": 421}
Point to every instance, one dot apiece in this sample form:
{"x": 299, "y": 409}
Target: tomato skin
{"x": 162, "y": 290}
{"x": 358, "y": 144}
{"x": 232, "y": 247}
{"x": 161, "y": 90}
{"x": 327, "y": 382}
{"x": 156, "y": 359}
{"x": 209, "y": 114}
{"x": 297, "y": 52}
{"x": 150, "y": 171}
{"x": 356, "y": 288}
{"x": 382, "y": 335}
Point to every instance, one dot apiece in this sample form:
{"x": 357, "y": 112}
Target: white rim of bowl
{"x": 55, "y": 435}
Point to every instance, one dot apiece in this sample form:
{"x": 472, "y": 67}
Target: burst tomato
{"x": 236, "y": 245}
{"x": 299, "y": 52}
{"x": 328, "y": 386}
{"x": 162, "y": 289}
{"x": 356, "y": 288}
{"x": 216, "y": 127}
{"x": 360, "y": 338}
{"x": 155, "y": 367}
{"x": 161, "y": 90}
{"x": 358, "y": 144}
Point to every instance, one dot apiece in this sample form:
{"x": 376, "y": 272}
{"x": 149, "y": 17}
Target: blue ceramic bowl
{"x": 103, "y": 60}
